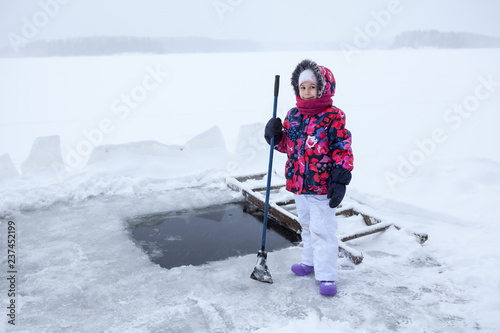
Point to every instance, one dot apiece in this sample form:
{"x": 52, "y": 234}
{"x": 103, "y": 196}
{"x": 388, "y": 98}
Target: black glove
{"x": 274, "y": 129}
{"x": 341, "y": 178}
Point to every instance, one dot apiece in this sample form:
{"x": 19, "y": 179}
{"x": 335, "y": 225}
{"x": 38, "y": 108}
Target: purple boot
{"x": 328, "y": 288}
{"x": 301, "y": 269}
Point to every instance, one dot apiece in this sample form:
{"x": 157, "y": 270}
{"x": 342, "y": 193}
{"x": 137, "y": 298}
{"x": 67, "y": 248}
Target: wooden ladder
{"x": 256, "y": 196}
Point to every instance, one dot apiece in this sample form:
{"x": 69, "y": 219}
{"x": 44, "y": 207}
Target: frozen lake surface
{"x": 425, "y": 136}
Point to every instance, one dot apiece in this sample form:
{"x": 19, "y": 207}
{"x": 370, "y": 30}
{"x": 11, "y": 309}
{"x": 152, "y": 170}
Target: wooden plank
{"x": 366, "y": 231}
{"x": 242, "y": 179}
{"x": 369, "y": 220}
{"x": 286, "y": 202}
{"x": 421, "y": 237}
{"x": 352, "y": 254}
{"x": 379, "y": 227}
{"x": 262, "y": 189}
{"x": 274, "y": 210}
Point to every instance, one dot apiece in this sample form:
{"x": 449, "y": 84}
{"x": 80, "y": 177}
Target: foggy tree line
{"x": 437, "y": 39}
{"x": 109, "y": 45}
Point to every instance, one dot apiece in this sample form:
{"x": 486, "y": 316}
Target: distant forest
{"x": 448, "y": 40}
{"x": 111, "y": 45}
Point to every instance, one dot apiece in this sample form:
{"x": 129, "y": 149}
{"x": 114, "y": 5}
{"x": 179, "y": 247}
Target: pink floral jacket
{"x": 315, "y": 145}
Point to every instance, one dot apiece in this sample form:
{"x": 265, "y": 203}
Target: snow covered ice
{"x": 424, "y": 127}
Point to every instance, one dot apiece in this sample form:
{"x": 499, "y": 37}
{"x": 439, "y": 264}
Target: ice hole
{"x": 214, "y": 233}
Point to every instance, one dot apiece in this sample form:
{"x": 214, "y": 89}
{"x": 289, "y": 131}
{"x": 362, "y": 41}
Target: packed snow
{"x": 88, "y": 142}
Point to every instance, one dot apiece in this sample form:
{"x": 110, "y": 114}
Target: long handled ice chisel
{"x": 261, "y": 272}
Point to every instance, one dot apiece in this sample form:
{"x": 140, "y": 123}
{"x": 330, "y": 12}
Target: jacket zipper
{"x": 306, "y": 163}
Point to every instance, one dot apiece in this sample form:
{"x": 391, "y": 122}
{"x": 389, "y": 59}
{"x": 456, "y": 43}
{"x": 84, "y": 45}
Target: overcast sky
{"x": 260, "y": 20}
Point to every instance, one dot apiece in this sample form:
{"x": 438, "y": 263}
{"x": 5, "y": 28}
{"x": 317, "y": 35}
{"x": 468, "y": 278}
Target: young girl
{"x": 318, "y": 169}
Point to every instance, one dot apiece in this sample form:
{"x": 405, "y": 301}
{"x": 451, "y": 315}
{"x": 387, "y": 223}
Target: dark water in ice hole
{"x": 210, "y": 234}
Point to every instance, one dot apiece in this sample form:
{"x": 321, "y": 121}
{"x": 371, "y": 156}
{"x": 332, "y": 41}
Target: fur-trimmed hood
{"x": 325, "y": 78}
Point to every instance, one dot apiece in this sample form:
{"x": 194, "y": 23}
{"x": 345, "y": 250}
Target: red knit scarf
{"x": 314, "y": 106}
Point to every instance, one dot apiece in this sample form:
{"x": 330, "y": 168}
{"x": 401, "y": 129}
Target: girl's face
{"x": 308, "y": 90}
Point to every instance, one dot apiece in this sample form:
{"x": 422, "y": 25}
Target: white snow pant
{"x": 319, "y": 225}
